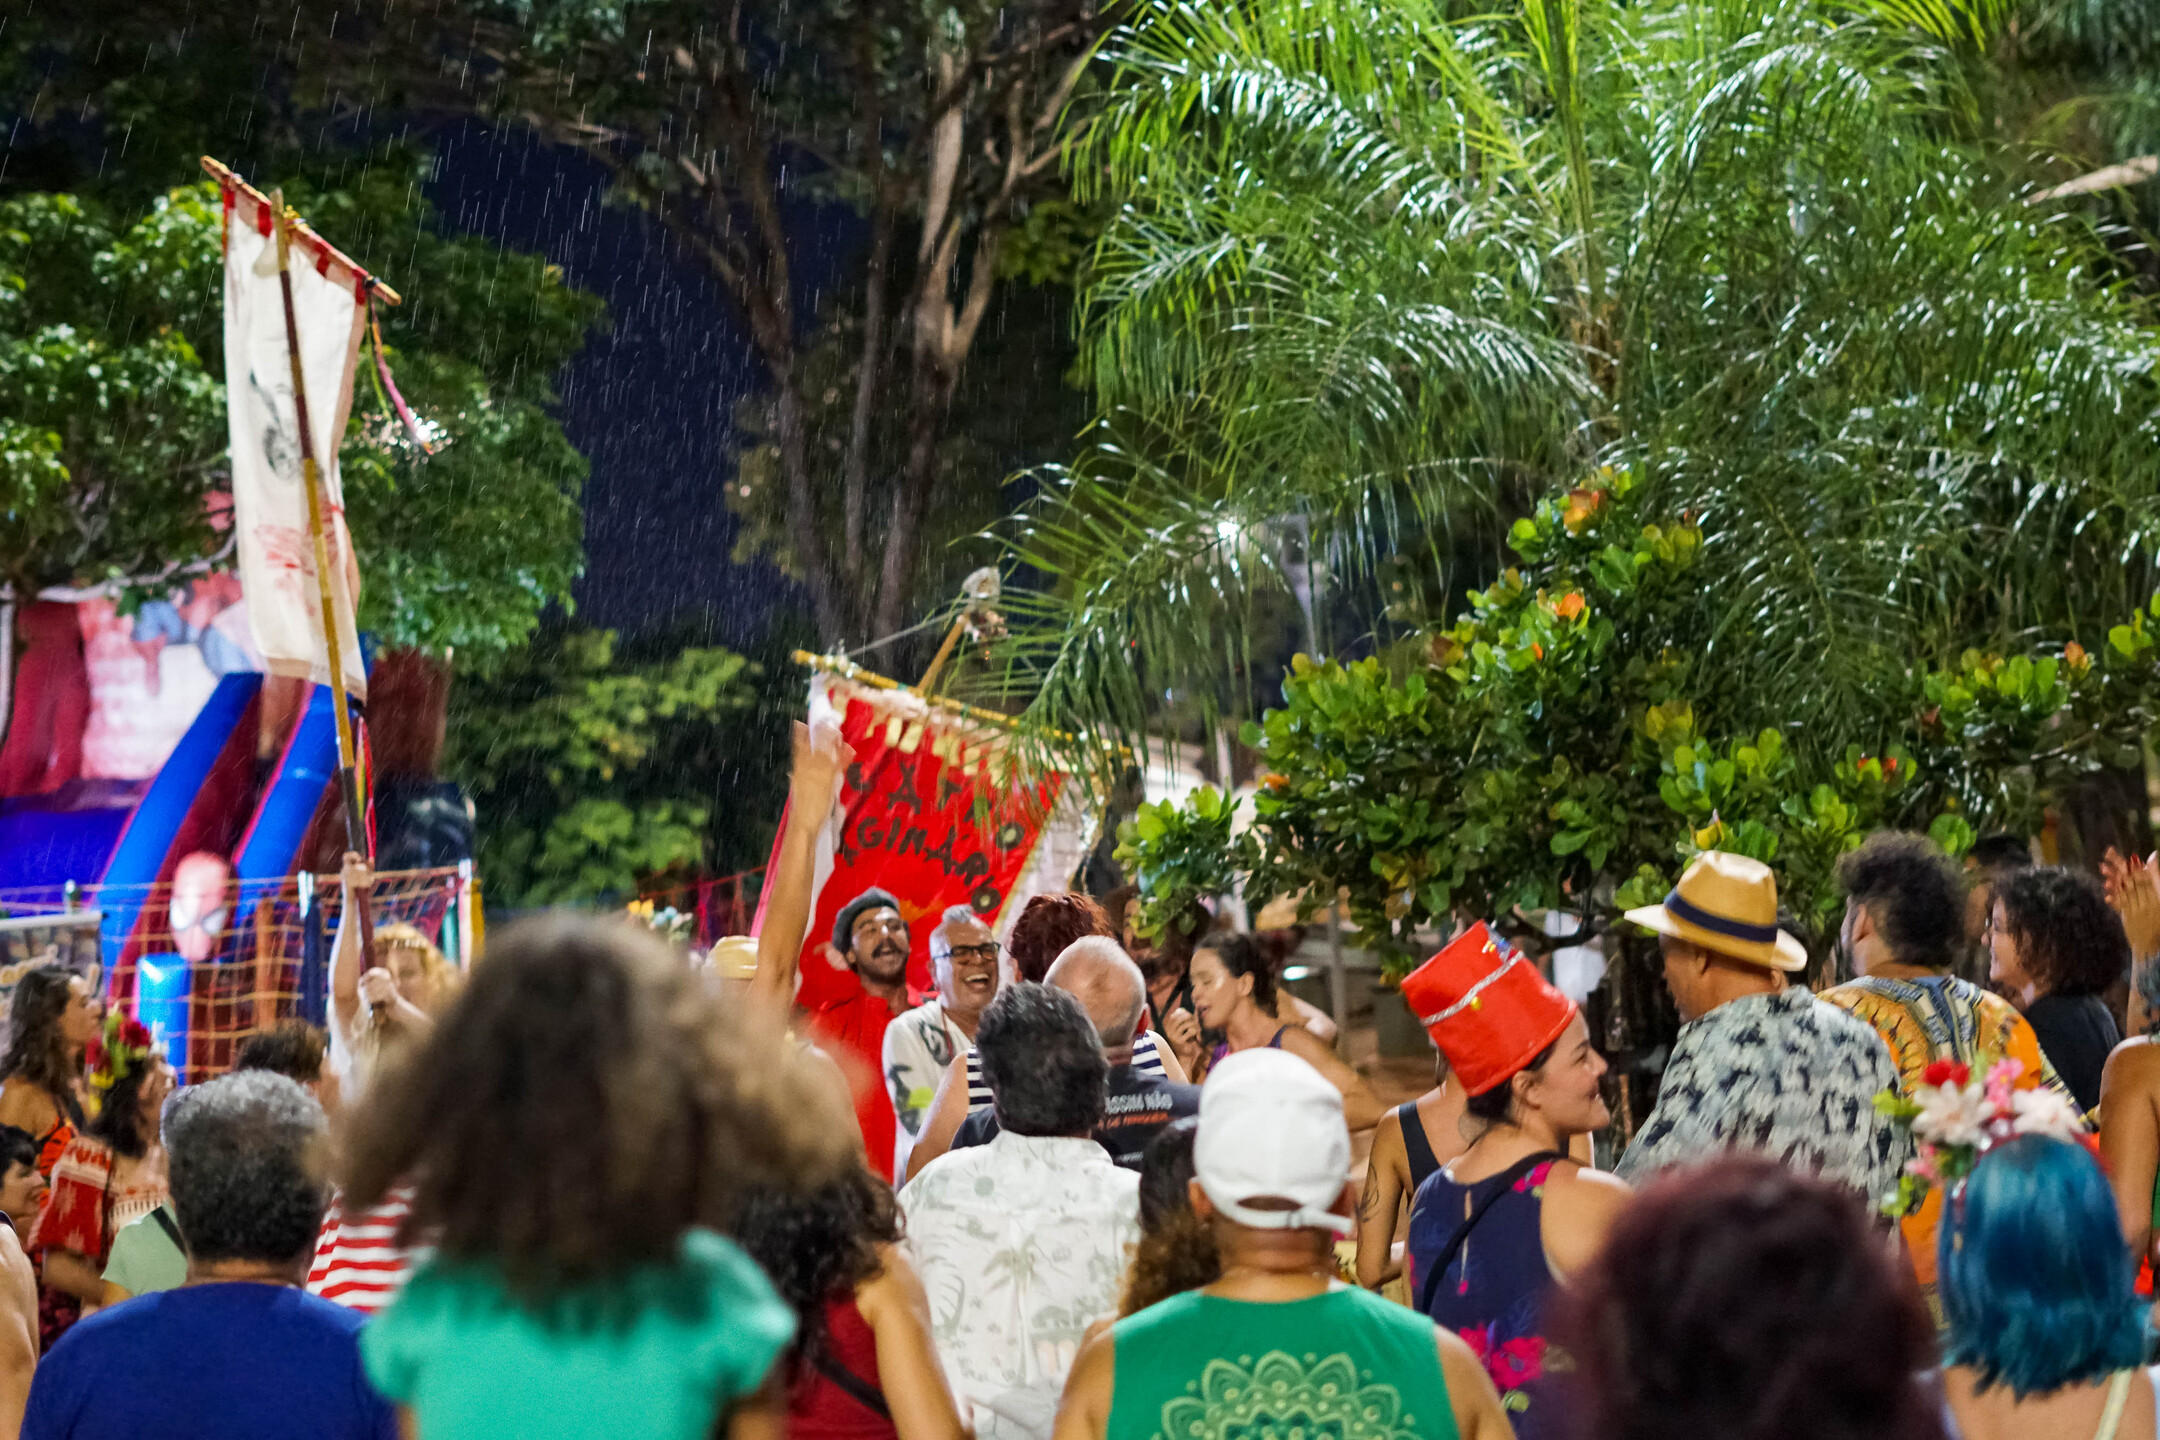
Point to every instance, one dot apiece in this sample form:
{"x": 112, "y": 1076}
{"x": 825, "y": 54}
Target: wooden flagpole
{"x": 318, "y": 519}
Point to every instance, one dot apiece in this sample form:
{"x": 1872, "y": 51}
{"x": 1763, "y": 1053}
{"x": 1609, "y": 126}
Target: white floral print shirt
{"x": 1021, "y": 1244}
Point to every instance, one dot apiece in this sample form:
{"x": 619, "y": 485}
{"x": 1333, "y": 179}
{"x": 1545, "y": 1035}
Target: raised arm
{"x": 947, "y": 1111}
{"x": 2130, "y": 1136}
{"x": 821, "y": 758}
{"x": 347, "y": 963}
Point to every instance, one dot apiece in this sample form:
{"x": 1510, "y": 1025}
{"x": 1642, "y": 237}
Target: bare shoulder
{"x": 1085, "y": 1408}
{"x": 1310, "y": 1048}
{"x": 1573, "y": 1174}
{"x": 896, "y": 1285}
{"x": 1574, "y": 1189}
{"x": 26, "y": 1106}
{"x": 2136, "y": 1059}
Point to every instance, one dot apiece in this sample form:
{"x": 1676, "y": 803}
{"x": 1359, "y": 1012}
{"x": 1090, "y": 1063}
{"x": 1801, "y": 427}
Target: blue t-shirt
{"x": 220, "y": 1362}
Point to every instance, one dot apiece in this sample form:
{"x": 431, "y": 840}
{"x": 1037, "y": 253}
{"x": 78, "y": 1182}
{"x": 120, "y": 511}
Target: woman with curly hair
{"x": 53, "y": 1017}
{"x": 1176, "y": 1252}
{"x": 577, "y": 1128}
{"x": 110, "y": 1175}
{"x": 2056, "y": 946}
{"x": 1049, "y": 923}
{"x": 863, "y": 1366}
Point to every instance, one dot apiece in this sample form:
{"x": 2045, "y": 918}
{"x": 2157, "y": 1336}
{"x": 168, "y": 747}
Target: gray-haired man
{"x": 241, "y": 1352}
{"x": 922, "y": 1044}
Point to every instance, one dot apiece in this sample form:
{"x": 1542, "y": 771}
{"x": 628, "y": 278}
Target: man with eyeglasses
{"x": 922, "y": 1044}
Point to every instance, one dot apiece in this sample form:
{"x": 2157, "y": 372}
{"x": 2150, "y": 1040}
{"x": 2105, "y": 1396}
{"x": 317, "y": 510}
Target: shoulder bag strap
{"x": 164, "y": 1217}
{"x": 2118, "y": 1393}
{"x": 863, "y": 1392}
{"x": 1502, "y": 1184}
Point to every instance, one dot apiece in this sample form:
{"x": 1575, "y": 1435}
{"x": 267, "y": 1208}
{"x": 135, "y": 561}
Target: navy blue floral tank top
{"x": 1493, "y": 1294}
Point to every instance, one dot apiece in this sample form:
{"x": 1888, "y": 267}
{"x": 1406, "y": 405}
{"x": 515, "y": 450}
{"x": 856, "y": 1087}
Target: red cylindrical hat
{"x": 1486, "y": 1007}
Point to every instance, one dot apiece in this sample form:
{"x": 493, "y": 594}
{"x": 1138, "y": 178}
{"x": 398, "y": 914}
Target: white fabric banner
{"x": 276, "y": 548}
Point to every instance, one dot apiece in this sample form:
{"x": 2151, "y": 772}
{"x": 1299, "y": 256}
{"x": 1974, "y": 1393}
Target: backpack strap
{"x": 1507, "y": 1180}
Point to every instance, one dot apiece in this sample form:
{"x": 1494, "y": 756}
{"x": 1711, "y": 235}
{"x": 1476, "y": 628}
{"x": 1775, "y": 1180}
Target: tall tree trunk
{"x": 911, "y": 500}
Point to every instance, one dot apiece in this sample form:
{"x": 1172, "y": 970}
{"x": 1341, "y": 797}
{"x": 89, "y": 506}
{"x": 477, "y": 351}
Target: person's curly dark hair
{"x": 817, "y": 1244}
{"x": 36, "y": 1050}
{"x": 2069, "y": 938}
{"x": 582, "y": 1104}
{"x": 1177, "y": 1251}
{"x": 1911, "y": 892}
{"x": 1743, "y": 1300}
{"x": 1049, "y": 923}
{"x": 119, "y": 1121}
{"x": 1241, "y": 956}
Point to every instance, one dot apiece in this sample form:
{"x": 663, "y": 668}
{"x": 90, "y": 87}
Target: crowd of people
{"x": 1092, "y": 1185}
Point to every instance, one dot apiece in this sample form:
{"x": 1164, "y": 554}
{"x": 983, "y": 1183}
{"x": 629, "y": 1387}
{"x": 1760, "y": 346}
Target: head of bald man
{"x": 1098, "y": 973}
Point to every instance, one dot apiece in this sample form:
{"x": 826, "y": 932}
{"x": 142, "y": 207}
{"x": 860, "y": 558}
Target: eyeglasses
{"x": 985, "y": 954}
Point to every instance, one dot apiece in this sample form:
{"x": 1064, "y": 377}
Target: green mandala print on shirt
{"x": 1281, "y": 1398}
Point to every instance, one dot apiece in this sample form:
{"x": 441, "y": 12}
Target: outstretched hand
{"x": 358, "y": 877}
{"x": 821, "y": 758}
{"x": 2133, "y": 888}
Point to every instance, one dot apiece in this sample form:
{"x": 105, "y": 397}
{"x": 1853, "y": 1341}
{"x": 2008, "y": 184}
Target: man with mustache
{"x": 921, "y": 1045}
{"x": 869, "y": 937}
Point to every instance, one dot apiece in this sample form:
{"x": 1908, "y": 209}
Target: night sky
{"x": 650, "y": 403}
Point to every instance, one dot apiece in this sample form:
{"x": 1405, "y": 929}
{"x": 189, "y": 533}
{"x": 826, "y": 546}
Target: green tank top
{"x": 1346, "y": 1364}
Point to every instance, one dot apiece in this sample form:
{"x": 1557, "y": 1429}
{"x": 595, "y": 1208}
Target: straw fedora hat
{"x": 1726, "y": 903}
{"x": 734, "y": 957}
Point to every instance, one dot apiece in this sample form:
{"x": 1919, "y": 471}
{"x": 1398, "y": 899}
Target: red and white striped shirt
{"x": 358, "y": 1261}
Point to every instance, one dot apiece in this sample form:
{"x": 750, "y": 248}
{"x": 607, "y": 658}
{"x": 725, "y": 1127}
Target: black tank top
{"x": 1416, "y": 1148}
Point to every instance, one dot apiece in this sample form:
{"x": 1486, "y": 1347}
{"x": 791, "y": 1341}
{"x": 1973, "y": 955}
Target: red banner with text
{"x": 918, "y": 816}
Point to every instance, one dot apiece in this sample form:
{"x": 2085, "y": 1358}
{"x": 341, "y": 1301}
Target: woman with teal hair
{"x": 2045, "y": 1327}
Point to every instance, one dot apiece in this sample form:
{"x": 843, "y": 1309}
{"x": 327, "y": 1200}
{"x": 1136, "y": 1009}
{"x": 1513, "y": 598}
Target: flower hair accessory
{"x": 1955, "y": 1119}
{"x": 116, "y": 1054}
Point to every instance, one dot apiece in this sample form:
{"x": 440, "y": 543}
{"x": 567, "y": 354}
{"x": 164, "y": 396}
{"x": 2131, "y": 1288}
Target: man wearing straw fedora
{"x": 1761, "y": 1064}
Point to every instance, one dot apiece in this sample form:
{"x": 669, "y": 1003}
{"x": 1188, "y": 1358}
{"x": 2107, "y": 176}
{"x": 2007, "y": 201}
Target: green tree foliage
{"x": 1180, "y": 854}
{"x": 1557, "y": 748}
{"x": 586, "y": 767}
{"x": 112, "y": 414}
{"x": 1393, "y": 285}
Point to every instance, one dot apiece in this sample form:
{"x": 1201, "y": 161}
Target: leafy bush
{"x": 1549, "y": 751}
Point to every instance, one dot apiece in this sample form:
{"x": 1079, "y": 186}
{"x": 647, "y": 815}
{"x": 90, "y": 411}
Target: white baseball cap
{"x": 1271, "y": 1127}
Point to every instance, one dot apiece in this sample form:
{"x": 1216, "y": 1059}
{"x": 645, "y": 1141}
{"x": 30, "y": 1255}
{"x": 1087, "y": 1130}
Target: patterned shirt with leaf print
{"x": 1021, "y": 1245}
{"x": 1786, "y": 1074}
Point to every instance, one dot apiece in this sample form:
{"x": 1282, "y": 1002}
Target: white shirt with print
{"x": 919, "y": 1047}
{"x": 1021, "y": 1245}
